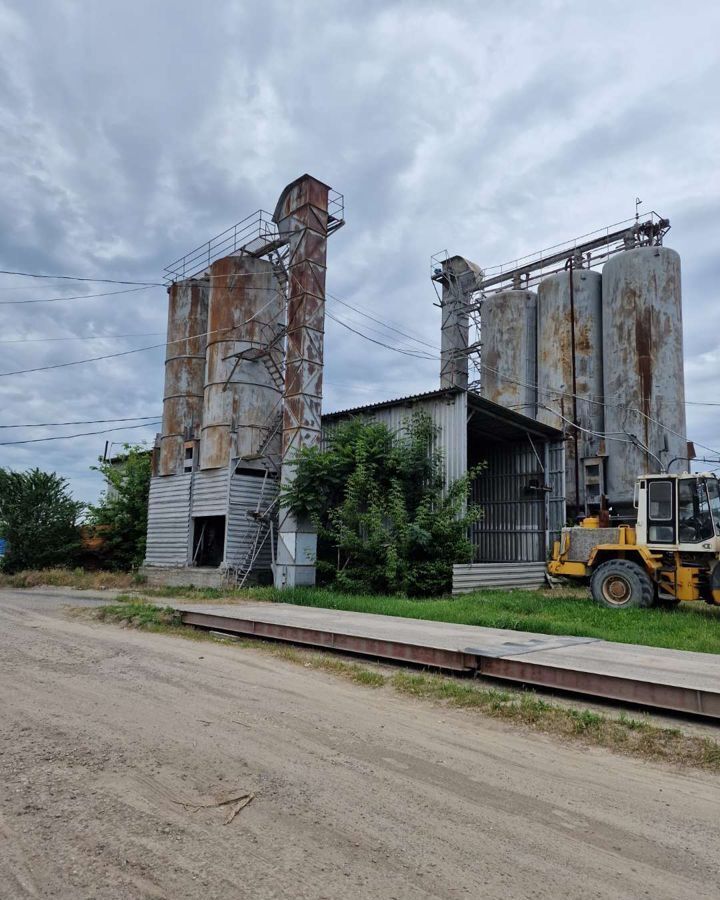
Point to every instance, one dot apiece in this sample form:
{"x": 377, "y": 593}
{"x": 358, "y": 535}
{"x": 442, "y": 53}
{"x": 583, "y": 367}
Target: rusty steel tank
{"x": 562, "y": 365}
{"x": 242, "y": 394}
{"x": 508, "y": 323}
{"x": 184, "y": 372}
{"x": 643, "y": 367}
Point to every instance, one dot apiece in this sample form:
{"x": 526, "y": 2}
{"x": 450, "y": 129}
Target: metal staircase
{"x": 260, "y": 528}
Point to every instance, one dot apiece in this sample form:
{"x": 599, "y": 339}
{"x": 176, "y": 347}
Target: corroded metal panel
{"x": 246, "y": 316}
{"x": 460, "y": 279}
{"x": 564, "y": 363}
{"x": 302, "y": 218}
{"x": 168, "y": 533}
{"x": 508, "y": 322}
{"x": 184, "y": 372}
{"x": 643, "y": 367}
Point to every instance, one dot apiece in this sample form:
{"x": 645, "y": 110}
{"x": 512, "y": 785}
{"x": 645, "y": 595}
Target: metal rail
{"x": 588, "y": 250}
{"x": 509, "y": 664}
{"x": 256, "y": 235}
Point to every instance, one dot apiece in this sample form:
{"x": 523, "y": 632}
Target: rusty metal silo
{"x": 184, "y": 372}
{"x": 508, "y": 323}
{"x": 643, "y": 366}
{"x": 570, "y": 366}
{"x": 243, "y": 379}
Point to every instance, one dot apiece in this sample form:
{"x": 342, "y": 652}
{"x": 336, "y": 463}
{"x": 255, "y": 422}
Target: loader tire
{"x": 621, "y": 584}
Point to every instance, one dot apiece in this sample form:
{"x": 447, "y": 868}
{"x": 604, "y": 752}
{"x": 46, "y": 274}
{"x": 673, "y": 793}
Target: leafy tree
{"x": 386, "y": 522}
{"x": 121, "y": 515}
{"x": 38, "y": 518}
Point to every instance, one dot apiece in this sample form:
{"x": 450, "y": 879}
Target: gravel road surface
{"x": 115, "y": 743}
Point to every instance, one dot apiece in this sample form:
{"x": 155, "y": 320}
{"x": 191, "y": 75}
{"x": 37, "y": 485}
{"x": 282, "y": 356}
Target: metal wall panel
{"x": 248, "y": 493}
{"x": 448, "y": 413}
{"x": 484, "y": 576}
{"x": 513, "y": 525}
{"x": 519, "y": 522}
{"x": 210, "y": 492}
{"x": 168, "y": 521}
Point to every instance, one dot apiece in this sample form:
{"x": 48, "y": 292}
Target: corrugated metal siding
{"x": 555, "y": 477}
{"x": 519, "y": 523}
{"x": 480, "y": 576}
{"x": 448, "y": 413}
{"x": 210, "y": 492}
{"x": 168, "y": 521}
{"x": 513, "y": 525}
{"x": 247, "y": 493}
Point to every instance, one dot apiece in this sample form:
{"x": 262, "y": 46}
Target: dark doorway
{"x": 208, "y": 541}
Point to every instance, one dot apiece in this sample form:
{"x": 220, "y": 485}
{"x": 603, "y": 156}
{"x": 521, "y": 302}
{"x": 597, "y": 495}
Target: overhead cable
{"x": 77, "y": 362}
{"x": 78, "y": 422}
{"x": 67, "y": 437}
{"x": 79, "y": 278}
{"x": 77, "y": 296}
{"x": 417, "y": 354}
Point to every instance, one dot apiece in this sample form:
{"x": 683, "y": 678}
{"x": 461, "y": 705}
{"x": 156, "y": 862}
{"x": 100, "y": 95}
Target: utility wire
{"x": 382, "y": 322}
{"x": 89, "y": 337}
{"x": 67, "y": 437}
{"x": 77, "y": 362}
{"x": 76, "y": 297}
{"x": 80, "y": 278}
{"x": 417, "y": 354}
{"x": 78, "y": 422}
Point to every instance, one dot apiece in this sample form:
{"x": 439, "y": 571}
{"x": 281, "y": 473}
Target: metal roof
{"x": 502, "y": 424}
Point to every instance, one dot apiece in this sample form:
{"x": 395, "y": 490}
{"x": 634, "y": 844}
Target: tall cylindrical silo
{"x": 508, "y": 323}
{"x": 184, "y": 372}
{"x": 246, "y": 315}
{"x": 643, "y": 367}
{"x": 564, "y": 364}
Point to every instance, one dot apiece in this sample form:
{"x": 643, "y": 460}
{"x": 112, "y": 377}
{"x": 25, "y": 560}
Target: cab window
{"x": 661, "y": 522}
{"x": 714, "y": 496}
{"x": 694, "y": 519}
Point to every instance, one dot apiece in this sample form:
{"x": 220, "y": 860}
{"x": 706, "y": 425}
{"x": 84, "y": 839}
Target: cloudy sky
{"x": 132, "y": 131}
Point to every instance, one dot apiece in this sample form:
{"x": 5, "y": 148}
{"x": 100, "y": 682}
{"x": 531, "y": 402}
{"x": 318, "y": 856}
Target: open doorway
{"x": 208, "y": 541}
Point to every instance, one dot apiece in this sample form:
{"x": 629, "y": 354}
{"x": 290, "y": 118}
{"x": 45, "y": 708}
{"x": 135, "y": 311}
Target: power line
{"x": 78, "y": 422}
{"x": 80, "y": 278}
{"x": 77, "y": 296}
{"x": 382, "y": 322}
{"x": 417, "y": 354}
{"x": 67, "y": 437}
{"x": 77, "y": 362}
{"x": 89, "y": 337}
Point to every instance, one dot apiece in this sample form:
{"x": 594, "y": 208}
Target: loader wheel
{"x": 621, "y": 584}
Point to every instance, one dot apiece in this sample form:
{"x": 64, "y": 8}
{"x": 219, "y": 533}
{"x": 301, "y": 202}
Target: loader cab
{"x": 678, "y": 512}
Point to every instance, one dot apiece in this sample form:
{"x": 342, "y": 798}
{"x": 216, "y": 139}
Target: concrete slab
{"x": 667, "y": 679}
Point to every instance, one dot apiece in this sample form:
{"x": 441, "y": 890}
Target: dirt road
{"x": 106, "y": 733}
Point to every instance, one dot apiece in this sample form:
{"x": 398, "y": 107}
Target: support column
{"x": 459, "y": 280}
{"x": 302, "y": 217}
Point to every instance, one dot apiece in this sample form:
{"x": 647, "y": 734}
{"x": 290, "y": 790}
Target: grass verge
{"x": 621, "y": 734}
{"x": 79, "y": 579}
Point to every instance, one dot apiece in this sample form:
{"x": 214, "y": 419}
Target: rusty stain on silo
{"x": 246, "y": 314}
{"x": 644, "y": 383}
{"x": 184, "y": 372}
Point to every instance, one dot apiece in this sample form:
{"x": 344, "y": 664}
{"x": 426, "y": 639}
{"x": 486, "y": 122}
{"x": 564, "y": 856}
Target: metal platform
{"x": 664, "y": 679}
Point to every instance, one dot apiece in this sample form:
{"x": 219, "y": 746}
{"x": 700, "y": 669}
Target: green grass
{"x": 691, "y": 626}
{"x": 622, "y": 734}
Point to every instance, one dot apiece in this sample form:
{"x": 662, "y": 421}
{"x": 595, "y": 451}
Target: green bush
{"x": 121, "y": 515}
{"x": 38, "y": 518}
{"x": 386, "y": 522}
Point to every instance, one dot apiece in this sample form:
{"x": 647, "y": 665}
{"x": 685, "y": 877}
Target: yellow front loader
{"x": 671, "y": 553}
